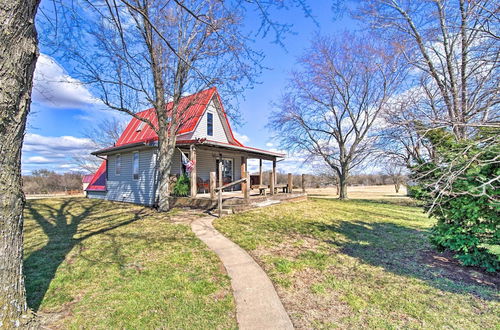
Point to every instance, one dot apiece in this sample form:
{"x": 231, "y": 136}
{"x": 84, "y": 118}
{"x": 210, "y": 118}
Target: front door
{"x": 227, "y": 171}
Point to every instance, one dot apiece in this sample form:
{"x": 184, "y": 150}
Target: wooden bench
{"x": 281, "y": 186}
{"x": 262, "y": 189}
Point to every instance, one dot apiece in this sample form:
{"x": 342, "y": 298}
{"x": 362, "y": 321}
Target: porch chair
{"x": 202, "y": 185}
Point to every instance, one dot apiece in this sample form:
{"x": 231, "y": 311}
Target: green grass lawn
{"x": 96, "y": 264}
{"x": 363, "y": 264}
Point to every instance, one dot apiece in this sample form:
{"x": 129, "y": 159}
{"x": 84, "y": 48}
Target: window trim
{"x": 210, "y": 124}
{"x": 135, "y": 176}
{"x": 118, "y": 164}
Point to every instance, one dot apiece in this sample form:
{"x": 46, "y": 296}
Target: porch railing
{"x": 246, "y": 186}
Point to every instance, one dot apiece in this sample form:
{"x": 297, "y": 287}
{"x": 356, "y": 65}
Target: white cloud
{"x": 56, "y": 145}
{"x": 53, "y": 152}
{"x": 242, "y": 138}
{"x": 53, "y": 87}
{"x": 38, "y": 160}
{"x": 269, "y": 144}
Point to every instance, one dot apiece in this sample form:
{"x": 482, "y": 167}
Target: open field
{"x": 361, "y": 192}
{"x": 363, "y": 263}
{"x": 97, "y": 264}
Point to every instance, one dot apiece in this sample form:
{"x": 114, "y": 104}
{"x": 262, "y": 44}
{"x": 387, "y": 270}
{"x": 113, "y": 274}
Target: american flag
{"x": 188, "y": 163}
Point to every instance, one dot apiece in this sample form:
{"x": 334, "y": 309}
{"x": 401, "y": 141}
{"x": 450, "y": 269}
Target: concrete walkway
{"x": 257, "y": 304}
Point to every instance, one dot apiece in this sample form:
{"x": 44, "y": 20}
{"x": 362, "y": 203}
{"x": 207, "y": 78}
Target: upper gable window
{"x": 210, "y": 124}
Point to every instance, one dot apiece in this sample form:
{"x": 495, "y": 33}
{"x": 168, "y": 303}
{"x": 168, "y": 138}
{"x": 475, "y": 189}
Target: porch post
{"x": 220, "y": 190}
{"x": 192, "y": 157}
{"x": 271, "y": 183}
{"x": 290, "y": 183}
{"x": 260, "y": 172}
{"x": 213, "y": 185}
{"x": 243, "y": 173}
{"x": 248, "y": 187}
{"x": 275, "y": 179}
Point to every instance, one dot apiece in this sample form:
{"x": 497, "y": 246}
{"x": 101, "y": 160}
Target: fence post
{"x": 303, "y": 183}
{"x": 213, "y": 184}
{"x": 290, "y": 183}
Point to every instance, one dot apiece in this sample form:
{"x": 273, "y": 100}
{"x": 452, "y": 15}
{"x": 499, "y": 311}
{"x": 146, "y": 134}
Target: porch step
{"x": 227, "y": 211}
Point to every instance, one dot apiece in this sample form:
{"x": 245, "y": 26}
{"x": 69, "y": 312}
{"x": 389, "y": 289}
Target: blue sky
{"x": 62, "y": 110}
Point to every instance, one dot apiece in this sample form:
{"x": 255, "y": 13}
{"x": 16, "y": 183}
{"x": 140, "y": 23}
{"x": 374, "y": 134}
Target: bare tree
{"x": 145, "y": 53}
{"x": 453, "y": 49}
{"x": 334, "y": 101}
{"x": 395, "y": 170}
{"x": 458, "y": 61}
{"x": 103, "y": 135}
{"x": 18, "y": 54}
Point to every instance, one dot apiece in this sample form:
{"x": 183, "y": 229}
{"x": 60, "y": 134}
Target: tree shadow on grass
{"x": 61, "y": 226}
{"x": 406, "y": 251}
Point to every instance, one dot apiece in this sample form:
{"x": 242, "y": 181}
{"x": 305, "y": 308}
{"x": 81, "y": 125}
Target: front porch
{"x": 221, "y": 178}
{"x": 219, "y": 164}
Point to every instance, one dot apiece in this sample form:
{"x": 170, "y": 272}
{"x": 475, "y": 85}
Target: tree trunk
{"x": 343, "y": 186}
{"x": 397, "y": 185}
{"x": 165, "y": 155}
{"x": 18, "y": 54}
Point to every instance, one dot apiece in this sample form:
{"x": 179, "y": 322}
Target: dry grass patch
{"x": 98, "y": 264}
{"x": 362, "y": 264}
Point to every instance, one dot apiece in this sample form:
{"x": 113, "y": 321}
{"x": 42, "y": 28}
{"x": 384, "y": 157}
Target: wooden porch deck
{"x": 235, "y": 200}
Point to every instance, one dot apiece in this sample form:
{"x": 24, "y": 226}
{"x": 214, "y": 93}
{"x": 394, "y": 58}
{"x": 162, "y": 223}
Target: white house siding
{"x": 123, "y": 187}
{"x": 200, "y": 132}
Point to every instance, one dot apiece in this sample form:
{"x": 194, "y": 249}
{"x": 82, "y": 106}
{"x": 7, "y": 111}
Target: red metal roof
{"x": 98, "y": 182}
{"x": 87, "y": 178}
{"x": 191, "y": 107}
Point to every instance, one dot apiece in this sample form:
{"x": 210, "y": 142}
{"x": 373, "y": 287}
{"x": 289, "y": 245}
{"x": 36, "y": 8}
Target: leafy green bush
{"x": 415, "y": 191}
{"x": 181, "y": 187}
{"x": 467, "y": 210}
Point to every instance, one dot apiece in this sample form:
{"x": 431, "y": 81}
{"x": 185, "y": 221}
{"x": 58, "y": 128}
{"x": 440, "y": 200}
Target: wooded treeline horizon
{"x": 44, "y": 181}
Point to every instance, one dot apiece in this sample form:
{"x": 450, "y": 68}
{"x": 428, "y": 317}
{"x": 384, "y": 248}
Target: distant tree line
{"x": 327, "y": 180}
{"x": 47, "y": 182}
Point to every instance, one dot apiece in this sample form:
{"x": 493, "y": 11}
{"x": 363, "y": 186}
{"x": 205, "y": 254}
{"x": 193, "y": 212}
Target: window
{"x": 118, "y": 165}
{"x": 135, "y": 164}
{"x": 210, "y": 124}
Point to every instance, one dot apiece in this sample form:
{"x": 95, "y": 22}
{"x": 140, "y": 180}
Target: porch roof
{"x": 258, "y": 153}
